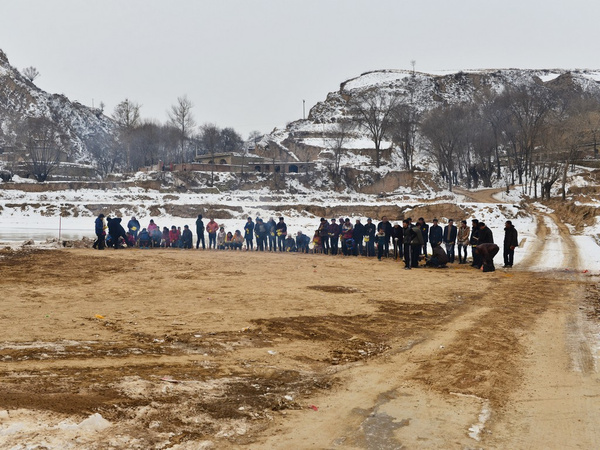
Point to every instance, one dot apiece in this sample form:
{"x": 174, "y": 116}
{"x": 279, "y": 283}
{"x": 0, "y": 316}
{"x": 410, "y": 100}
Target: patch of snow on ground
{"x": 553, "y": 253}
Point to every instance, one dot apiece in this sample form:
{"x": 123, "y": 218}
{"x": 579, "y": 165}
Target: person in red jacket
{"x": 173, "y": 237}
{"x": 211, "y": 228}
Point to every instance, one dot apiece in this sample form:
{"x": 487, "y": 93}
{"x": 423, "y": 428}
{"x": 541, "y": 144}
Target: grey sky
{"x": 249, "y": 64}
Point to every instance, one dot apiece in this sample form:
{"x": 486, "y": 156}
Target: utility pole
{"x": 303, "y": 109}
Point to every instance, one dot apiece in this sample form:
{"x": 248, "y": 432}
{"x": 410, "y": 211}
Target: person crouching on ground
{"x": 486, "y": 252}
{"x": 221, "y": 239}
{"x": 302, "y": 242}
{"x": 439, "y": 258}
{"x": 187, "y": 239}
{"x": 144, "y": 239}
{"x": 166, "y": 240}
{"x": 238, "y": 240}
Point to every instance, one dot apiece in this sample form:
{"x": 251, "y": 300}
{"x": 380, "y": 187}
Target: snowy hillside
{"x": 423, "y": 91}
{"x": 20, "y": 98}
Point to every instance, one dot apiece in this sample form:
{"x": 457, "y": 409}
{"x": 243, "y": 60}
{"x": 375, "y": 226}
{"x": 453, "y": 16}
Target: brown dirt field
{"x": 205, "y": 349}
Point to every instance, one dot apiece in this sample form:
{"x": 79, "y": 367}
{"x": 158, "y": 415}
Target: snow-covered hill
{"x": 20, "y": 98}
{"x": 312, "y": 138}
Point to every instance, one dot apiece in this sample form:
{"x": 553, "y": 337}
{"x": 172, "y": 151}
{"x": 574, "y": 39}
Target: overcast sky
{"x": 249, "y": 64}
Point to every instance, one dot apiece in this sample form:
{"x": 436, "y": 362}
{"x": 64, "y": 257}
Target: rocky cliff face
{"x": 20, "y": 98}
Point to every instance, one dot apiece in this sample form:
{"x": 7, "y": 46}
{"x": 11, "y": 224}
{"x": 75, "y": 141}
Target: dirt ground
{"x": 203, "y": 349}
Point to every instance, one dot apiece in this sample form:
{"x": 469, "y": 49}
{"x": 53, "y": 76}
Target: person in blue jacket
{"x": 100, "y": 233}
{"x": 134, "y": 227}
{"x": 302, "y": 242}
{"x": 249, "y": 234}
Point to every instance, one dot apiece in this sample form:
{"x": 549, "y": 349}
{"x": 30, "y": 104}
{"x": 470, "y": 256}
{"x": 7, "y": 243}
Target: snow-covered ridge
{"x": 20, "y": 98}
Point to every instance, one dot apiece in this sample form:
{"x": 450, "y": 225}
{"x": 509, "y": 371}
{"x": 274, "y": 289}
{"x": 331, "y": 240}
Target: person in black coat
{"x": 369, "y": 237}
{"x": 334, "y": 236}
{"x": 397, "y": 237}
{"x": 474, "y": 241}
{"x": 449, "y": 239}
{"x": 435, "y": 235}
{"x": 407, "y": 236}
{"x": 249, "y": 234}
{"x": 200, "y": 232}
{"x": 323, "y": 231}
{"x": 485, "y": 234}
{"x": 486, "y": 252}
{"x": 358, "y": 234}
{"x": 511, "y": 241}
{"x": 386, "y": 226}
{"x": 424, "y": 232}
{"x": 116, "y": 230}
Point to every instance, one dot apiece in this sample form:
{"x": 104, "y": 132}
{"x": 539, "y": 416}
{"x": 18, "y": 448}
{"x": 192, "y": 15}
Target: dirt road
{"x": 192, "y": 349}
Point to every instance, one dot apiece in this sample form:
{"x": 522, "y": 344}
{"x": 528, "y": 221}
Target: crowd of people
{"x": 407, "y": 242}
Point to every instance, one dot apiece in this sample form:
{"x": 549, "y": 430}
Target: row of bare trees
{"x": 528, "y": 134}
{"x": 141, "y": 142}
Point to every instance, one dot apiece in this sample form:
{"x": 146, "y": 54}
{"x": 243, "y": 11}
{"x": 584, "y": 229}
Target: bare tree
{"x": 127, "y": 117}
{"x": 403, "y": 131}
{"x": 31, "y": 73}
{"x": 210, "y": 136}
{"x": 341, "y": 133}
{"x": 44, "y": 144}
{"x": 373, "y": 110}
{"x": 529, "y": 107}
{"x": 445, "y": 127}
{"x": 181, "y": 117}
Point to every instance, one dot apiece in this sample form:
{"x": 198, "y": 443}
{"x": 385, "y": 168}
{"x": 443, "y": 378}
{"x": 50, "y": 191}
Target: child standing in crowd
{"x": 317, "y": 243}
